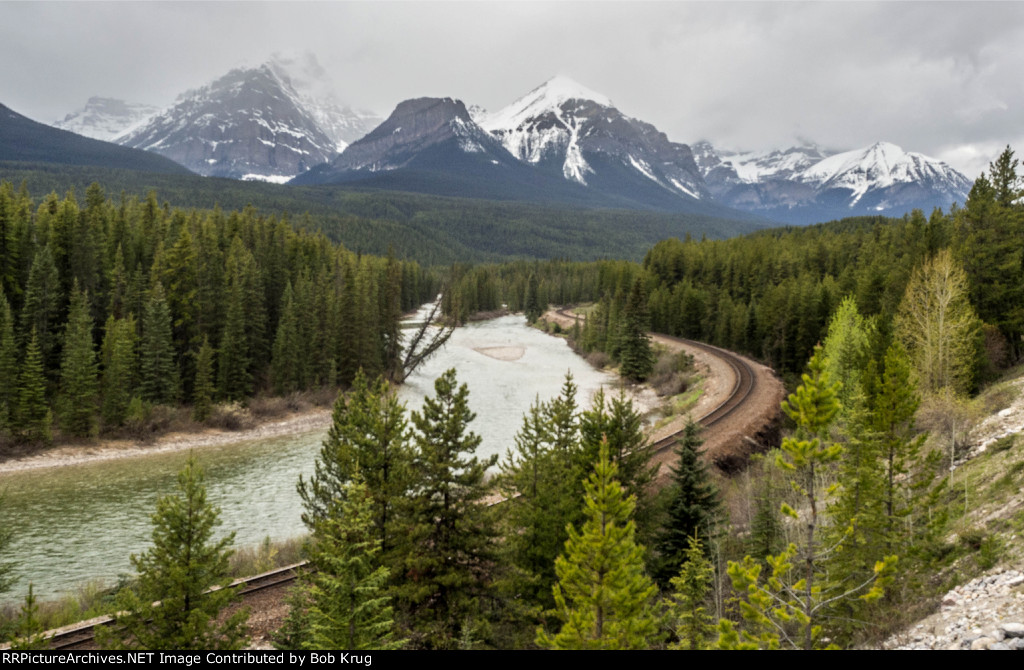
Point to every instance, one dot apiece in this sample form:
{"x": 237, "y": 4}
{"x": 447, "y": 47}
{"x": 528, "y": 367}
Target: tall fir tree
{"x": 32, "y": 418}
{"x": 691, "y": 588}
{"x": 8, "y": 365}
{"x": 179, "y": 570}
{"x": 159, "y": 372}
{"x": 451, "y": 553}
{"x": 603, "y": 597}
{"x": 635, "y": 354}
{"x": 343, "y": 604}
{"x": 203, "y": 388}
{"x": 369, "y": 434}
{"x": 692, "y": 506}
{"x": 78, "y": 370}
{"x": 119, "y": 363}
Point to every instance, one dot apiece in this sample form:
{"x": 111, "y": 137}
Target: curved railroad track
{"x": 742, "y": 387}
{"x": 82, "y": 635}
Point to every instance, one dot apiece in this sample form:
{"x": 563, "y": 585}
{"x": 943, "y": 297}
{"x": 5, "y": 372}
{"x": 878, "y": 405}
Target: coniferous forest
{"x": 881, "y": 328}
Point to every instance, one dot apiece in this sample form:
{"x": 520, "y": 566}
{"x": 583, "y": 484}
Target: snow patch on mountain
{"x": 547, "y": 97}
{"x": 107, "y": 118}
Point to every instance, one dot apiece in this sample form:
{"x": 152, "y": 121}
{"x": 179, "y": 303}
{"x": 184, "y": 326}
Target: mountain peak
{"x": 547, "y": 97}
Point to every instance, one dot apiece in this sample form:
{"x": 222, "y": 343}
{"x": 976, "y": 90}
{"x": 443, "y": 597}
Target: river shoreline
{"x": 106, "y": 450}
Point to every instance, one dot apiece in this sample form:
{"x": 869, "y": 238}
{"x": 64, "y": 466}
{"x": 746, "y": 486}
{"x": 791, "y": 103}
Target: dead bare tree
{"x": 430, "y": 336}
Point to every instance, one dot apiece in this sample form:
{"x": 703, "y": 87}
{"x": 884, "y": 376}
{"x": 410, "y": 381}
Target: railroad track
{"x": 82, "y": 635}
{"x": 741, "y": 390}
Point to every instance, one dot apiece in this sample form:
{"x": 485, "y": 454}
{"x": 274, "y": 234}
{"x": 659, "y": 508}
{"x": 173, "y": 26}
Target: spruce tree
{"x": 691, "y": 589}
{"x": 346, "y": 606}
{"x": 8, "y": 366}
{"x": 184, "y": 563}
{"x": 32, "y": 417}
{"x": 451, "y": 549}
{"x": 78, "y": 370}
{"x": 203, "y": 389}
{"x": 235, "y": 381}
{"x": 119, "y": 362}
{"x": 28, "y": 630}
{"x": 159, "y": 382}
{"x": 634, "y": 346}
{"x": 368, "y": 434}
{"x": 692, "y": 507}
{"x": 603, "y": 597}
{"x": 41, "y": 309}
{"x": 286, "y": 367}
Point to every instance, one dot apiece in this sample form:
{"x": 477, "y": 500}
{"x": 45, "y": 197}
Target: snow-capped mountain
{"x": 567, "y": 129}
{"x": 806, "y": 183}
{"x": 435, "y": 135}
{"x": 106, "y": 118}
{"x": 318, "y": 97}
{"x": 249, "y": 124}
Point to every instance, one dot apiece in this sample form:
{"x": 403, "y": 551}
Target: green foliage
{"x": 8, "y": 365}
{"x": 28, "y": 631}
{"x": 692, "y": 507}
{"x": 78, "y": 371}
{"x": 603, "y": 597}
{"x": 184, "y": 563}
{"x": 32, "y": 418}
{"x": 159, "y": 374}
{"x": 342, "y": 604}
{"x": 119, "y": 361}
{"x": 450, "y": 555}
{"x": 691, "y": 589}
{"x": 203, "y": 389}
{"x": 368, "y": 435}
{"x": 635, "y": 352}
{"x": 938, "y": 326}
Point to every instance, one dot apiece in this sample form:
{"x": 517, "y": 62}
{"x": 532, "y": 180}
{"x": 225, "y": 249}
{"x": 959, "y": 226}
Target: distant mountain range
{"x": 27, "y": 141}
{"x": 559, "y": 143}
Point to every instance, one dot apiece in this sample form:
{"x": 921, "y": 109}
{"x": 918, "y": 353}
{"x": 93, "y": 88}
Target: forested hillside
{"x": 110, "y": 308}
{"x": 430, "y": 229}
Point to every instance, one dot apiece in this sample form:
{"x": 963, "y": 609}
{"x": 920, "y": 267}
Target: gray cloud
{"x": 939, "y": 78}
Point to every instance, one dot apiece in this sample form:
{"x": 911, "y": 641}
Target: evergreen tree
{"x": 78, "y": 371}
{"x": 28, "y": 630}
{"x": 450, "y": 558}
{"x": 603, "y": 597}
{"x": 119, "y": 361}
{"x": 692, "y": 506}
{"x": 32, "y": 417}
{"x": 183, "y": 564}
{"x": 8, "y": 365}
{"x": 691, "y": 587}
{"x": 235, "y": 380}
{"x": 286, "y": 367}
{"x": 368, "y": 434}
{"x": 541, "y": 503}
{"x": 203, "y": 389}
{"x": 159, "y": 378}
{"x": 42, "y": 307}
{"x": 346, "y": 605}
{"x": 635, "y": 354}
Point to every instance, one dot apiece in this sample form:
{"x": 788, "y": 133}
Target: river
{"x": 81, "y": 522}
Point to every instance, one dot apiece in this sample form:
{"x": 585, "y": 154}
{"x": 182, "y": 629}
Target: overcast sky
{"x": 943, "y": 78}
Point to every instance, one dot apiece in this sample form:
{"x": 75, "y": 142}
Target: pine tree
{"x": 368, "y": 434}
{"x": 8, "y": 365}
{"x": 286, "y": 367}
{"x": 691, "y": 587}
{"x": 203, "y": 389}
{"x": 159, "y": 382}
{"x": 179, "y": 570}
{"x": 78, "y": 371}
{"x": 235, "y": 381}
{"x": 32, "y": 417}
{"x": 41, "y": 309}
{"x": 451, "y": 553}
{"x": 346, "y": 605}
{"x": 692, "y": 506}
{"x": 119, "y": 362}
{"x": 28, "y": 631}
{"x": 635, "y": 353}
{"x": 603, "y": 597}
{"x": 541, "y": 503}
